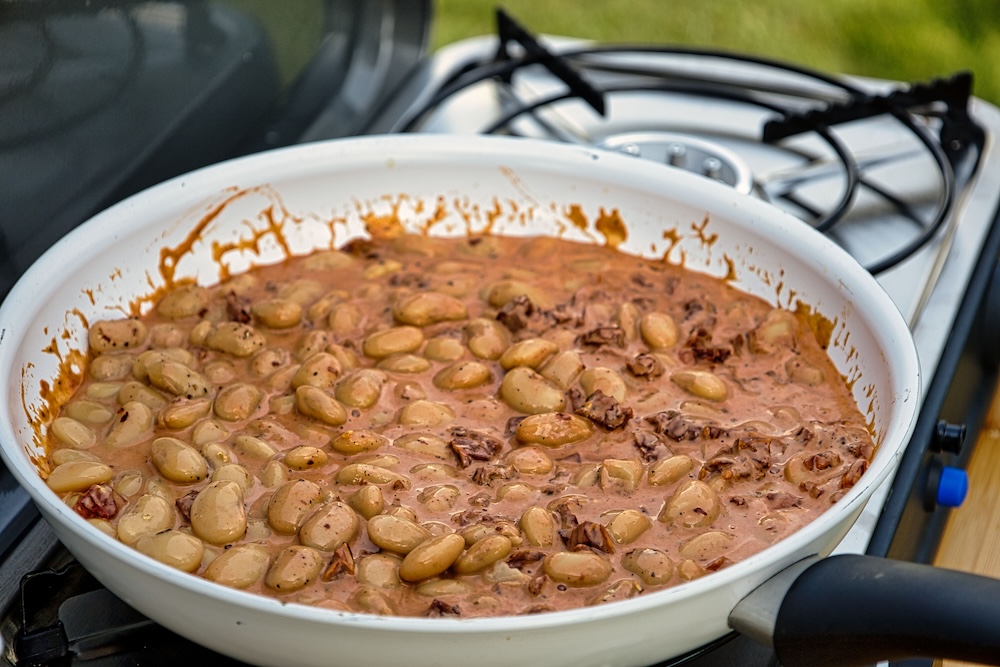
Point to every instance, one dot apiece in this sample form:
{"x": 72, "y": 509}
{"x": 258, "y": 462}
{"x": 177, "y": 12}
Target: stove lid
{"x": 101, "y": 99}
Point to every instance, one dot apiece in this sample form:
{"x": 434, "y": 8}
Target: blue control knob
{"x": 952, "y": 487}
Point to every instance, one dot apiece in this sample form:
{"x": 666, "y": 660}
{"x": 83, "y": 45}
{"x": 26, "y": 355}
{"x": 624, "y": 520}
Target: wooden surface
{"x": 971, "y": 539}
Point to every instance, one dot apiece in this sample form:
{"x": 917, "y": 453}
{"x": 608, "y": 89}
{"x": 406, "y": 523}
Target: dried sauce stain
{"x": 707, "y": 239}
{"x": 821, "y": 326}
{"x": 611, "y": 225}
{"x": 576, "y": 215}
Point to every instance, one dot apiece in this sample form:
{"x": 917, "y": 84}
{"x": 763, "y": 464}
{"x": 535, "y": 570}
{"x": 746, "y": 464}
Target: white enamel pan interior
{"x": 321, "y": 195}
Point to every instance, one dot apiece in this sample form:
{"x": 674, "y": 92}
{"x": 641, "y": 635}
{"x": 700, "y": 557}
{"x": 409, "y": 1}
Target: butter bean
{"x": 439, "y": 497}
{"x": 330, "y": 526}
{"x": 802, "y": 372}
{"x": 361, "y": 389}
{"x": 433, "y": 472}
{"x": 444, "y": 348}
{"x": 707, "y": 546}
{"x": 166, "y": 335}
{"x": 368, "y": 501}
{"x": 321, "y": 370}
{"x": 628, "y": 318}
{"x": 669, "y": 470}
{"x": 218, "y": 515}
{"x": 133, "y": 423}
{"x": 277, "y": 313}
{"x": 621, "y": 474}
{"x": 107, "y": 367}
{"x": 182, "y": 412}
{"x": 295, "y": 567}
{"x": 239, "y": 567}
{"x": 105, "y": 527}
{"x": 305, "y": 457}
{"x": 436, "y": 588}
{"x": 60, "y": 456}
{"x": 208, "y": 430}
{"x": 237, "y": 401}
{"x": 88, "y": 412}
{"x": 605, "y": 380}
{"x": 538, "y": 526}
{"x": 356, "y": 442}
{"x": 577, "y": 568}
{"x": 526, "y": 391}
{"x": 393, "y": 341}
{"x": 137, "y": 392}
{"x": 254, "y": 448}
{"x": 530, "y": 352}
{"x": 530, "y": 461}
{"x": 381, "y": 267}
{"x": 403, "y": 363}
{"x": 290, "y": 504}
{"x": 174, "y": 548}
{"x": 236, "y": 339}
{"x": 563, "y": 369}
{"x": 72, "y": 433}
{"x": 553, "y": 429}
{"x": 380, "y": 570}
{"x": 371, "y": 601}
{"x": 703, "y": 384}
{"x": 395, "y": 534}
{"x": 78, "y": 476}
{"x": 421, "y": 309}
{"x": 183, "y": 301}
{"x": 233, "y": 472}
{"x": 431, "y": 557}
{"x": 628, "y": 525}
{"x": 175, "y": 378}
{"x": 150, "y": 514}
{"x": 426, "y": 444}
{"x": 102, "y": 391}
{"x": 268, "y": 361}
{"x": 426, "y": 413}
{"x": 658, "y": 330}
{"x": 463, "y": 375}
{"x": 316, "y": 403}
{"x": 274, "y": 475}
{"x": 361, "y": 473}
{"x": 344, "y": 318}
{"x": 114, "y": 335}
{"x": 488, "y": 339}
{"x": 483, "y": 554}
{"x": 503, "y": 292}
{"x": 653, "y": 566}
{"x": 128, "y": 483}
{"x": 694, "y": 504}
{"x": 178, "y": 461}
{"x": 796, "y": 471}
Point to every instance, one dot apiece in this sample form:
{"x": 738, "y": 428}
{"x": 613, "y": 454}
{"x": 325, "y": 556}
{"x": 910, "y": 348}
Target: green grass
{"x": 909, "y": 40}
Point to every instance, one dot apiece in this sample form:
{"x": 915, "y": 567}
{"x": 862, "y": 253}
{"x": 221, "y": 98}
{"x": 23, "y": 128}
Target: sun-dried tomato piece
{"x": 441, "y": 608}
{"x": 781, "y": 500}
{"x": 822, "y": 461}
{"x": 645, "y": 366}
{"x": 100, "y": 501}
{"x": 614, "y": 336}
{"x": 535, "y": 586}
{"x": 647, "y": 443}
{"x": 238, "y": 308}
{"x": 485, "y": 475}
{"x": 523, "y": 557}
{"x": 341, "y": 562}
{"x": 184, "y": 504}
{"x": 473, "y": 446}
{"x": 605, "y": 411}
{"x": 853, "y": 474}
{"x": 517, "y": 313}
{"x": 590, "y": 534}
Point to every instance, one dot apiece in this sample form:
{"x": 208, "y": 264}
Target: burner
{"x": 686, "y": 152}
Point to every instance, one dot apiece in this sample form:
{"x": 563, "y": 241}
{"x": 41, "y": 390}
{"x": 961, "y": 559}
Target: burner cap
{"x": 686, "y": 152}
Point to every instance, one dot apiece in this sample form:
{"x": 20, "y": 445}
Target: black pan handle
{"x": 852, "y": 610}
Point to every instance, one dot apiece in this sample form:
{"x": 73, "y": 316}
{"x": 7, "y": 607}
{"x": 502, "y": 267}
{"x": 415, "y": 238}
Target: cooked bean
{"x": 150, "y": 514}
{"x": 237, "y": 401}
{"x": 517, "y": 492}
{"x": 444, "y": 348}
{"x": 183, "y": 412}
{"x": 504, "y": 291}
{"x": 628, "y": 317}
{"x": 658, "y": 330}
{"x": 174, "y": 548}
{"x": 102, "y": 391}
{"x": 277, "y": 313}
{"x": 274, "y": 475}
{"x": 74, "y": 434}
{"x": 538, "y": 527}
{"x": 604, "y": 379}
{"x": 355, "y": 442}
{"x": 426, "y": 414}
{"x": 178, "y": 461}
{"x": 802, "y": 372}
{"x": 463, "y": 375}
{"x": 396, "y": 534}
{"x": 707, "y": 546}
{"x": 295, "y": 567}
{"x": 234, "y": 338}
{"x": 128, "y": 483}
{"x": 487, "y": 338}
{"x": 439, "y": 498}
{"x": 184, "y": 301}
{"x": 530, "y": 461}
{"x": 166, "y": 335}
{"x": 796, "y": 471}
{"x": 588, "y": 474}
{"x": 483, "y": 554}
{"x": 199, "y": 333}
{"x": 577, "y": 568}
{"x": 530, "y": 352}
{"x": 269, "y": 360}
{"x": 254, "y": 448}
{"x": 137, "y": 392}
{"x": 703, "y": 384}
{"x": 133, "y": 423}
{"x": 553, "y": 429}
{"x": 78, "y": 476}
{"x": 403, "y": 363}
{"x": 563, "y": 369}
{"x": 113, "y": 335}
{"x": 233, "y": 472}
{"x": 355, "y": 474}
{"x": 425, "y": 308}
{"x": 669, "y": 470}
{"x": 628, "y": 525}
{"x": 290, "y": 504}
{"x": 239, "y": 567}
{"x": 653, "y": 566}
{"x": 433, "y": 472}
{"x": 371, "y": 601}
{"x": 431, "y": 557}
{"x": 209, "y": 430}
{"x": 161, "y": 488}
{"x": 305, "y": 457}
{"x": 60, "y": 456}
{"x": 380, "y": 570}
{"x": 621, "y": 474}
{"x": 393, "y": 341}
{"x": 437, "y": 588}
{"x": 106, "y": 367}
{"x": 361, "y": 389}
{"x": 426, "y": 444}
{"x": 344, "y": 318}
{"x": 694, "y": 504}
{"x": 330, "y": 526}
{"x": 88, "y": 412}
{"x": 316, "y": 403}
{"x": 689, "y": 570}
{"x": 368, "y": 501}
{"x": 218, "y": 515}
{"x": 177, "y": 379}
{"x": 526, "y": 391}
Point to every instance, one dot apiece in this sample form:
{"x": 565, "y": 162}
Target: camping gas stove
{"x": 904, "y": 176}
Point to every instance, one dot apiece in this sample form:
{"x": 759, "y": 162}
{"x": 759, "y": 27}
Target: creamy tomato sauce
{"x": 460, "y": 427}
